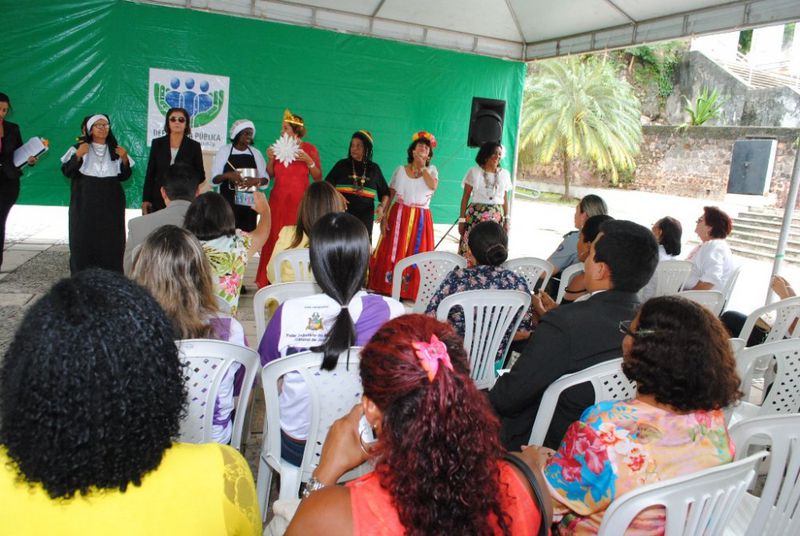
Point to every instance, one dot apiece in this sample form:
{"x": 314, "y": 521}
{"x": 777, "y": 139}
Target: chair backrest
{"x": 332, "y": 393}
{"x": 279, "y": 293}
{"x": 777, "y": 511}
{"x": 671, "y": 275}
{"x": 737, "y": 344}
{"x": 488, "y": 315}
{"x": 298, "y": 259}
{"x": 728, "y": 290}
{"x": 784, "y": 396}
{"x": 786, "y": 312}
{"x": 566, "y": 276}
{"x": 433, "y": 267}
{"x": 207, "y": 361}
{"x": 697, "y": 504}
{"x": 607, "y": 379}
{"x": 713, "y": 300}
{"x": 531, "y": 268}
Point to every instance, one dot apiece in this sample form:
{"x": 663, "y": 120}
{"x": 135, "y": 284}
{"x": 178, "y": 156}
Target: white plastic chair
{"x": 488, "y": 315}
{"x": 713, "y": 300}
{"x": 776, "y": 511}
{"x": 697, "y": 504}
{"x": 566, "y": 276}
{"x": 737, "y": 344}
{"x": 531, "y": 268}
{"x": 785, "y": 313}
{"x": 433, "y": 267}
{"x": 607, "y": 379}
{"x": 671, "y": 275}
{"x": 279, "y": 292}
{"x": 332, "y": 395}
{"x": 207, "y": 361}
{"x": 784, "y": 395}
{"x": 298, "y": 259}
{"x": 728, "y": 290}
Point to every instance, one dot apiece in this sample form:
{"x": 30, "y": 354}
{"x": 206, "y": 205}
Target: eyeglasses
{"x": 625, "y": 329}
{"x": 101, "y": 125}
{"x": 177, "y": 119}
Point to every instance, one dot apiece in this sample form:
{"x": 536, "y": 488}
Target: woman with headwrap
{"x": 290, "y": 184}
{"x": 97, "y": 165}
{"x": 361, "y": 181}
{"x": 237, "y": 155}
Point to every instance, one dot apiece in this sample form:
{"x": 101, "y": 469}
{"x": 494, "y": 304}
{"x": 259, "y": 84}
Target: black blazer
{"x": 12, "y": 140}
{"x": 190, "y": 152}
{"x": 568, "y": 339}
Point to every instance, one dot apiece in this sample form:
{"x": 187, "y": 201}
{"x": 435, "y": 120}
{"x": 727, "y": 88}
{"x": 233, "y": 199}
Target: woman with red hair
{"x": 418, "y": 393}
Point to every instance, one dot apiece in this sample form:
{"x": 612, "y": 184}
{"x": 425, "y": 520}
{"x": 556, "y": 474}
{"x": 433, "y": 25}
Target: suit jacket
{"x": 190, "y": 152}
{"x": 568, "y": 339}
{"x": 140, "y": 228}
{"x": 12, "y": 140}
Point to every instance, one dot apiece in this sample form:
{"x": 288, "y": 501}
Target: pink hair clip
{"x": 430, "y": 354}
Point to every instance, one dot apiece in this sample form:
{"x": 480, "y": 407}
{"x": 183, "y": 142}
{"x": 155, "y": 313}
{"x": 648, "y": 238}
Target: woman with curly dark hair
{"x": 91, "y": 395}
{"x": 678, "y": 354}
{"x": 437, "y": 456}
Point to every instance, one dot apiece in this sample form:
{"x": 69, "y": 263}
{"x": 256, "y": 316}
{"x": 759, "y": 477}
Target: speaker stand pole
{"x": 445, "y": 234}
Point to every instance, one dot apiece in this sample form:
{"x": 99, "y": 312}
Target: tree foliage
{"x": 707, "y": 106}
{"x": 579, "y": 109}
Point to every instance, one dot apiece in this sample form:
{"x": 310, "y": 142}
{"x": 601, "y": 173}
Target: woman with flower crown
{"x": 409, "y": 228}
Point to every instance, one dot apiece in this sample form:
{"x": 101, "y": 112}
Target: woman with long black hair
{"x": 342, "y": 316}
{"x": 96, "y": 166}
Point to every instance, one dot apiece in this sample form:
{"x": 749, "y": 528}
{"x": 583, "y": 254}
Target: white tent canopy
{"x": 515, "y": 29}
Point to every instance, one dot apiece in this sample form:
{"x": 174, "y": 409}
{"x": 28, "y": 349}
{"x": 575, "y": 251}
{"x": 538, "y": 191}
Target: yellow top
{"x": 285, "y": 237}
{"x": 196, "y": 490}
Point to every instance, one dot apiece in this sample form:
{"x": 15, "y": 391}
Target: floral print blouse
{"x": 228, "y": 257}
{"x": 480, "y": 277}
{"x": 619, "y": 446}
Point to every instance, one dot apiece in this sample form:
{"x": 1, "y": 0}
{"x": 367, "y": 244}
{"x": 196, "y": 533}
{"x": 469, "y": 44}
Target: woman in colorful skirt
{"x": 409, "y": 228}
{"x": 485, "y": 193}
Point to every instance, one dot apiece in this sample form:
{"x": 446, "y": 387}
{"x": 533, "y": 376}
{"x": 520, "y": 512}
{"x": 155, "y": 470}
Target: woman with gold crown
{"x": 290, "y": 183}
{"x": 409, "y": 228}
{"x": 361, "y": 181}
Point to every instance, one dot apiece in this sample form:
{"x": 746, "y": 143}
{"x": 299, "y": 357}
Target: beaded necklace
{"x": 358, "y": 180}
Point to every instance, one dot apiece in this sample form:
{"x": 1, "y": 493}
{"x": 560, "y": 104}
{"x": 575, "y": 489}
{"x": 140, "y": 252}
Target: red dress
{"x": 290, "y": 185}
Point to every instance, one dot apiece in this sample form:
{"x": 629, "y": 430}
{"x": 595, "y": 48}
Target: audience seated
{"x": 319, "y": 199}
{"x": 438, "y": 460}
{"x": 568, "y": 339}
{"x": 172, "y": 266}
{"x": 180, "y": 188}
{"x": 342, "y": 316}
{"x": 91, "y": 394}
{"x": 487, "y": 250}
{"x": 210, "y": 218}
{"x": 734, "y": 320}
{"x": 668, "y": 232}
{"x": 678, "y": 354}
{"x": 713, "y": 260}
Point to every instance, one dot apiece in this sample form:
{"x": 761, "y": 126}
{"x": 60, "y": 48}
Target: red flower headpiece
{"x": 427, "y": 135}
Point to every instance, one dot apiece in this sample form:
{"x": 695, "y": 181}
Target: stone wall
{"x": 692, "y": 163}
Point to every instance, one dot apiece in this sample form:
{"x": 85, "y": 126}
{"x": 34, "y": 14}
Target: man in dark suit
{"x": 573, "y": 337}
{"x": 178, "y": 192}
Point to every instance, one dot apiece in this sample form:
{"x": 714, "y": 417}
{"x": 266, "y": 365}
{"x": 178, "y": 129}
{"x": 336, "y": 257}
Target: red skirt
{"x": 409, "y": 231}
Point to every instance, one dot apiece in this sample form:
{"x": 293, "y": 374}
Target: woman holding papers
{"x": 97, "y": 165}
{"x": 10, "y": 141}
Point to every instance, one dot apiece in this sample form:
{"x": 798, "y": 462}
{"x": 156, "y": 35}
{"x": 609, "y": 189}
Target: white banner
{"x": 204, "y": 96}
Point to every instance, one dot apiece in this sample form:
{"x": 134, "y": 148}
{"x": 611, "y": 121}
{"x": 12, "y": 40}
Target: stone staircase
{"x": 755, "y": 234}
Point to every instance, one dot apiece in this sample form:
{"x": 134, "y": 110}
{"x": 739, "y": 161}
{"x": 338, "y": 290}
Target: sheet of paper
{"x": 34, "y": 147}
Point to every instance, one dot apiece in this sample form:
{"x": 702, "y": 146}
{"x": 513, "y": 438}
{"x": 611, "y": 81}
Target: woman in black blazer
{"x": 10, "y": 141}
{"x": 176, "y": 146}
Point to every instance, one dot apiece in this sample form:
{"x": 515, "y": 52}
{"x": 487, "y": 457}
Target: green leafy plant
{"x": 707, "y": 106}
{"x": 579, "y": 109}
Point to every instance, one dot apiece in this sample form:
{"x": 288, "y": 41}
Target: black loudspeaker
{"x": 486, "y": 121}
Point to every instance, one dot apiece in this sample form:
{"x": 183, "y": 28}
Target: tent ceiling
{"x": 514, "y": 29}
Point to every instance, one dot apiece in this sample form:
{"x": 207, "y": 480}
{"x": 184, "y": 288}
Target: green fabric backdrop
{"x": 64, "y": 59}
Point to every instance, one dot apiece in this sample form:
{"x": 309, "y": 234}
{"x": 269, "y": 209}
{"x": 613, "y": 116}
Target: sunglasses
{"x": 177, "y": 119}
{"x": 625, "y": 329}
{"x": 101, "y": 125}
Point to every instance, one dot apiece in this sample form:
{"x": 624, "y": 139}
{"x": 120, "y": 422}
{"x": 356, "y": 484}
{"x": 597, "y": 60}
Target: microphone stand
{"x": 445, "y": 234}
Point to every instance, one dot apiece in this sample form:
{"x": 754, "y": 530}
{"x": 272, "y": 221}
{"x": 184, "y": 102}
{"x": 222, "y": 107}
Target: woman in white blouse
{"x": 485, "y": 193}
{"x": 712, "y": 259}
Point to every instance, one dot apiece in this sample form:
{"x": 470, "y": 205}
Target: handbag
{"x": 537, "y": 492}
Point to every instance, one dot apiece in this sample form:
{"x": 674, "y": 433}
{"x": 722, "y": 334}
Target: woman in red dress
{"x": 290, "y": 184}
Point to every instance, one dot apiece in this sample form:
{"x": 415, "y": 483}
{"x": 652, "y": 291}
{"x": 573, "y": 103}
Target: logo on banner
{"x": 203, "y": 96}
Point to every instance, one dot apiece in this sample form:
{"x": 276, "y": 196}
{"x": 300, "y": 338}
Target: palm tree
{"x": 579, "y": 109}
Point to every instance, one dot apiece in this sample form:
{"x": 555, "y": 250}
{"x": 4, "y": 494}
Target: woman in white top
{"x": 668, "y": 232}
{"x": 712, "y": 259}
{"x": 409, "y": 228}
{"x": 485, "y": 193}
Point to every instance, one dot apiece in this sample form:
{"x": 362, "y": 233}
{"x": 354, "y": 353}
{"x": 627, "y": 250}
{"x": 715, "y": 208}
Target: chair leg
{"x": 262, "y": 487}
{"x": 290, "y": 481}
